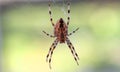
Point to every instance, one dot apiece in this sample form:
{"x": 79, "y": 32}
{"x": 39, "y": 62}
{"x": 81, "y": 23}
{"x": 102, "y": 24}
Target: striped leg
{"x": 53, "y": 46}
{"x": 68, "y": 18}
{"x": 48, "y": 34}
{"x": 50, "y": 13}
{"x": 72, "y": 50}
{"x": 73, "y": 32}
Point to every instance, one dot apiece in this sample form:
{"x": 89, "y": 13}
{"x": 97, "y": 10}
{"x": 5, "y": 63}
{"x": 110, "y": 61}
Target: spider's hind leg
{"x": 72, "y": 50}
{"x": 53, "y": 46}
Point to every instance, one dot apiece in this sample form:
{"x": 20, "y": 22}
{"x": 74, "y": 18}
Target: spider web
{"x": 63, "y": 7}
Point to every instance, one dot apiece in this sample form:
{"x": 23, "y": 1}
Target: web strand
{"x": 63, "y": 7}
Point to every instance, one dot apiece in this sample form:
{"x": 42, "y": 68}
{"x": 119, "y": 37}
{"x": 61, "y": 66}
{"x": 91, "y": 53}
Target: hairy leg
{"x": 72, "y": 50}
{"x": 53, "y": 46}
{"x": 50, "y": 13}
{"x": 68, "y": 18}
{"x": 73, "y": 32}
{"x": 48, "y": 34}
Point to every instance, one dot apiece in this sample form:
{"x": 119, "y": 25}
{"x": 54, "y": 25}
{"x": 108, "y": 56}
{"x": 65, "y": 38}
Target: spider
{"x": 61, "y": 35}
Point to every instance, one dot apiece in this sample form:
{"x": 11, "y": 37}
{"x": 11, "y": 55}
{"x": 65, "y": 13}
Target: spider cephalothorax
{"x": 61, "y": 34}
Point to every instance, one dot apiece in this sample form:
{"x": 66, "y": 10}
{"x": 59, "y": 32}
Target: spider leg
{"x": 53, "y": 46}
{"x": 73, "y": 32}
{"x": 50, "y": 13}
{"x": 72, "y": 50}
{"x": 49, "y": 52}
{"x": 68, "y": 18}
{"x": 49, "y": 34}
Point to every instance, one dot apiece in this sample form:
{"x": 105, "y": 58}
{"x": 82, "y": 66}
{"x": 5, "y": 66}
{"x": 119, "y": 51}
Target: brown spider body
{"x": 61, "y": 35}
{"x": 61, "y": 31}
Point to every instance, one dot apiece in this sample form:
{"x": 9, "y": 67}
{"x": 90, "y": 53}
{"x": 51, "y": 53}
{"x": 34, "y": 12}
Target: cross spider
{"x": 61, "y": 34}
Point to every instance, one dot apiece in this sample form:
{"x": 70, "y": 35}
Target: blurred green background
{"x": 97, "y": 42}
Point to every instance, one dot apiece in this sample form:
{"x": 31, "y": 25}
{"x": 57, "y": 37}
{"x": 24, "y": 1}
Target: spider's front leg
{"x": 72, "y": 50}
{"x": 53, "y": 46}
{"x": 68, "y": 18}
{"x": 50, "y": 13}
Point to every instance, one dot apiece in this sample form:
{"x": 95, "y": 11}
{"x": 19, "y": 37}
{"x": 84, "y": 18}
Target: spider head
{"x": 61, "y": 21}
